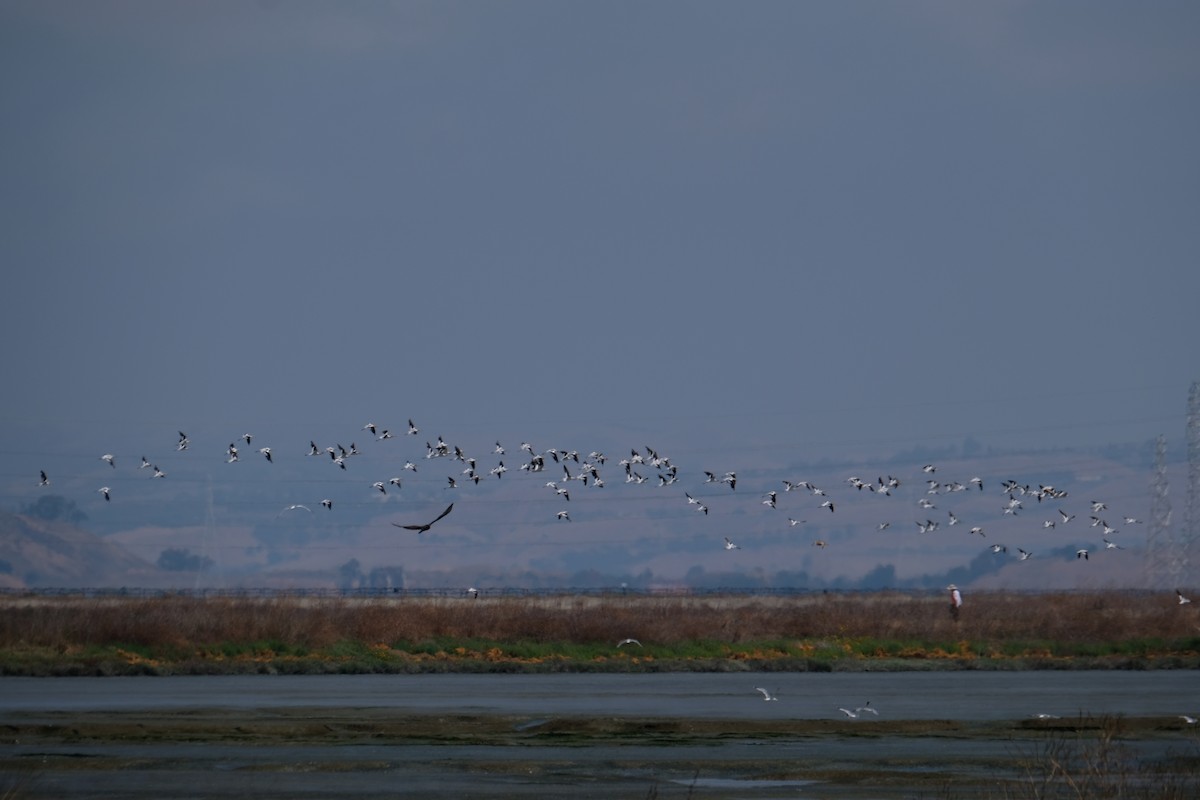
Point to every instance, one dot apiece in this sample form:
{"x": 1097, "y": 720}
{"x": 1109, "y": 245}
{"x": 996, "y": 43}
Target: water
{"x": 957, "y": 695}
{"x": 638, "y": 764}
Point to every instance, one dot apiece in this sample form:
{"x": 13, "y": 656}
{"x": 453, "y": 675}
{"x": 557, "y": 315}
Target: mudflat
{"x": 386, "y": 752}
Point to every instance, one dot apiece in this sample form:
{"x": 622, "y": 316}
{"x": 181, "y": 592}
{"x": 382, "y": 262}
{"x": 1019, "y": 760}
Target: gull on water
{"x": 767, "y": 696}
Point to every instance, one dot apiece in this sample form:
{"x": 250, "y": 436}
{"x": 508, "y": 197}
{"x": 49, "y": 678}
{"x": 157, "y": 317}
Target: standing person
{"x": 955, "y": 601}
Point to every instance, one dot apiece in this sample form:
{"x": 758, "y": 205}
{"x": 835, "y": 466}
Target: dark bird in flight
{"x": 422, "y": 528}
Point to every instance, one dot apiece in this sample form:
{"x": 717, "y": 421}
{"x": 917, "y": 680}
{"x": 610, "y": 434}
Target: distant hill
{"x": 38, "y": 552}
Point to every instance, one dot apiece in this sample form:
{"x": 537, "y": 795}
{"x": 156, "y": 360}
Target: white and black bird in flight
{"x": 109, "y": 459}
{"x": 422, "y": 528}
{"x": 767, "y": 696}
{"x": 293, "y": 507}
{"x": 45, "y": 481}
{"x": 104, "y": 490}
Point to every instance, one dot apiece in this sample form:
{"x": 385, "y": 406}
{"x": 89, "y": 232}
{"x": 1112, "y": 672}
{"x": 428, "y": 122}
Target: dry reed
{"x": 989, "y": 619}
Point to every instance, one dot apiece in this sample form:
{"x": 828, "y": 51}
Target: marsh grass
{"x": 213, "y": 634}
{"x": 1093, "y": 763}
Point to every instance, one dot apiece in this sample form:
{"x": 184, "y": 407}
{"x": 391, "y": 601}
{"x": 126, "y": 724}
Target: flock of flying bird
{"x": 570, "y": 468}
{"x": 649, "y": 467}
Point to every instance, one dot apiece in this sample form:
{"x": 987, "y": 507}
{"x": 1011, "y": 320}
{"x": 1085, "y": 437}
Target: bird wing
{"x": 444, "y": 513}
{"x": 417, "y": 528}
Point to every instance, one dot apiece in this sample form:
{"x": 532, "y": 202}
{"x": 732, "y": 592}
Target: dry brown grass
{"x": 992, "y": 619}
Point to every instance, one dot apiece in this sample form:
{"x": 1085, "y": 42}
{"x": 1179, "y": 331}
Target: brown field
{"x": 403, "y": 633}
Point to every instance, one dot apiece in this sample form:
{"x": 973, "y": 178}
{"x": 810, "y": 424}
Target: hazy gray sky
{"x": 818, "y": 225}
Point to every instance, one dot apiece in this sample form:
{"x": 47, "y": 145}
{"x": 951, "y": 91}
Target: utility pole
{"x": 1189, "y": 537}
{"x": 1161, "y": 564}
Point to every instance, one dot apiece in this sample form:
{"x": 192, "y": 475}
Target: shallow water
{"x": 550, "y": 753}
{"x": 957, "y": 695}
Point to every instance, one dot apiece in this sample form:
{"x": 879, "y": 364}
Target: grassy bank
{"x": 190, "y": 635}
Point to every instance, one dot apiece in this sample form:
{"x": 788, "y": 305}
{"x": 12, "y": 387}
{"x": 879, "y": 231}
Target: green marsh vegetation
{"x": 183, "y": 634}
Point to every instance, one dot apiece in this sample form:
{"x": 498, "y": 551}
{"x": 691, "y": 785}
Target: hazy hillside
{"x": 39, "y": 552}
{"x": 260, "y": 523}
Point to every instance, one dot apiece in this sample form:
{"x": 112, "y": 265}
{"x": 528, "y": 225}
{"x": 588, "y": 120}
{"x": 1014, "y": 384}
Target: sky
{"x": 707, "y": 227}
